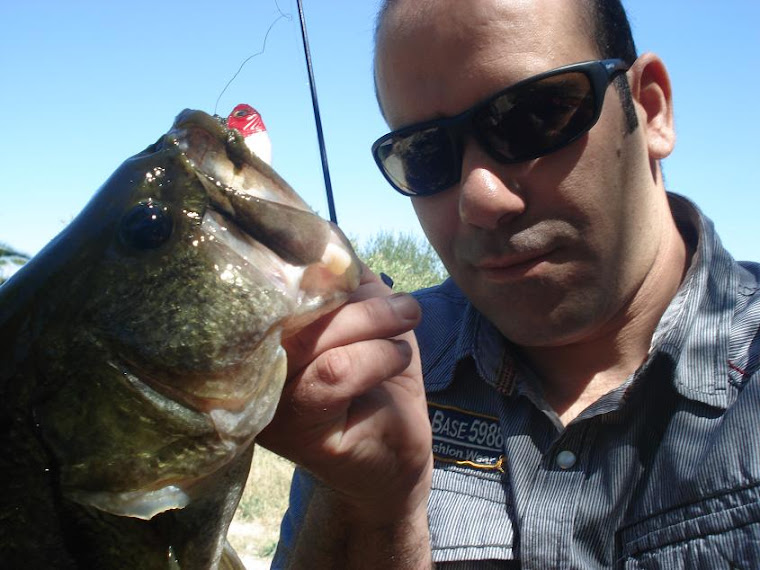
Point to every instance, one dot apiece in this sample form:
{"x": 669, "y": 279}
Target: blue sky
{"x": 86, "y": 84}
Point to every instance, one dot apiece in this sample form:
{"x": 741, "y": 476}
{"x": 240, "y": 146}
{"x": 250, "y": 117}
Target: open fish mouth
{"x": 247, "y": 191}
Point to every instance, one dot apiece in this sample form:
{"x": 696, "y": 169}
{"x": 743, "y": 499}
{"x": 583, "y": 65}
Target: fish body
{"x": 141, "y": 355}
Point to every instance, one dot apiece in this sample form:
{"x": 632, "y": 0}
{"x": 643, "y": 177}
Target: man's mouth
{"x": 514, "y": 266}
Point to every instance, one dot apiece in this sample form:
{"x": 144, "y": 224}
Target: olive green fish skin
{"x": 141, "y": 355}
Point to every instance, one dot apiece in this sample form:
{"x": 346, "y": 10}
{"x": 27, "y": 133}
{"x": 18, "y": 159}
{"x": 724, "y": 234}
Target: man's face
{"x": 551, "y": 250}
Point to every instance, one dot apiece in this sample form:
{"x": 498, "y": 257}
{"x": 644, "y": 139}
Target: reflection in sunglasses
{"x": 421, "y": 159}
{"x": 527, "y": 120}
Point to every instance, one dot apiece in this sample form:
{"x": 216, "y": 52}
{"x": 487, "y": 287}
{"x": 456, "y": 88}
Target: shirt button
{"x": 566, "y": 459}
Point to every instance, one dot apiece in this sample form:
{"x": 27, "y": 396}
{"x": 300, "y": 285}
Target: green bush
{"x": 410, "y": 261}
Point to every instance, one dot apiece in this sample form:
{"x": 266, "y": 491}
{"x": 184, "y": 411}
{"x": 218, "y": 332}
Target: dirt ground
{"x": 243, "y": 538}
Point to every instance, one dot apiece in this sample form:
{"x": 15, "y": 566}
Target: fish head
{"x": 183, "y": 274}
{"x": 213, "y": 253}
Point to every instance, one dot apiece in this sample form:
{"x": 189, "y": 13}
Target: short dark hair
{"x": 612, "y": 30}
{"x": 611, "y": 33}
{"x": 614, "y": 39}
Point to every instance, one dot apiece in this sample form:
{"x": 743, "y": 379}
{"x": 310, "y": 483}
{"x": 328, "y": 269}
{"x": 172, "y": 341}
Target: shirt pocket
{"x": 471, "y": 515}
{"x": 719, "y": 532}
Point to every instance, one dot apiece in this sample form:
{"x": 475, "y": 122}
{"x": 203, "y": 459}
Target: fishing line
{"x": 250, "y": 57}
{"x": 314, "y": 101}
{"x": 317, "y": 120}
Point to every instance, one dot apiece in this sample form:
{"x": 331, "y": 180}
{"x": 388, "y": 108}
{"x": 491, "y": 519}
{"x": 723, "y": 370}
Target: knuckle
{"x": 332, "y": 366}
{"x": 375, "y": 310}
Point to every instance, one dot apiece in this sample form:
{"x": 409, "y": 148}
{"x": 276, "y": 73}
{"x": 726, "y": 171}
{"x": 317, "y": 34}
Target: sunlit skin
{"x": 575, "y": 255}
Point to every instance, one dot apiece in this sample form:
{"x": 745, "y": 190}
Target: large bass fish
{"x": 141, "y": 355}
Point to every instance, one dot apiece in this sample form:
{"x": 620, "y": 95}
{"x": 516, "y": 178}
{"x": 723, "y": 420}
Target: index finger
{"x": 372, "y": 312}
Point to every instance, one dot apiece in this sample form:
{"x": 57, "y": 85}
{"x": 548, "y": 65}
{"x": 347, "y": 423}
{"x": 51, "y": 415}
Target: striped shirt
{"x": 662, "y": 472}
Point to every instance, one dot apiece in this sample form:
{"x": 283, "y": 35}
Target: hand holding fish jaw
{"x": 353, "y": 413}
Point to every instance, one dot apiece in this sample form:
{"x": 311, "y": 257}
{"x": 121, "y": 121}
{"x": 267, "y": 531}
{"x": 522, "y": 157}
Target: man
{"x": 590, "y": 370}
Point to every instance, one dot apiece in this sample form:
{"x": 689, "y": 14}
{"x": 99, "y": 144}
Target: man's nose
{"x": 487, "y": 195}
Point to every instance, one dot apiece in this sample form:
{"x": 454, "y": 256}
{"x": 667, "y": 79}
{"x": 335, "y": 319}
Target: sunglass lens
{"x": 422, "y": 162}
{"x": 538, "y": 117}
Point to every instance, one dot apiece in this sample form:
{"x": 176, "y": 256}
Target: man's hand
{"x": 353, "y": 413}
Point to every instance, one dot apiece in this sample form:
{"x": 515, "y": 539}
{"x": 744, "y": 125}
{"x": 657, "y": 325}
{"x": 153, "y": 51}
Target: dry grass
{"x": 256, "y": 526}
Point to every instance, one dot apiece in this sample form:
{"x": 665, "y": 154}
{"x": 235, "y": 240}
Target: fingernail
{"x": 404, "y": 306}
{"x": 404, "y": 348}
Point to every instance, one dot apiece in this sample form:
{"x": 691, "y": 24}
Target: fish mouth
{"x": 222, "y": 155}
{"x": 250, "y": 193}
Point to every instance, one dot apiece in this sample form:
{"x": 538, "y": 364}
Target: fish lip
{"x": 210, "y": 123}
{"x": 226, "y": 142}
{"x": 219, "y": 156}
{"x": 229, "y": 140}
{"x": 248, "y": 192}
{"x": 245, "y": 189}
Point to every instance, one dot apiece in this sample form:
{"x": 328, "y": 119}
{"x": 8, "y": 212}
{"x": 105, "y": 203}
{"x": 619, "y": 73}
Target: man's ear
{"x": 650, "y": 87}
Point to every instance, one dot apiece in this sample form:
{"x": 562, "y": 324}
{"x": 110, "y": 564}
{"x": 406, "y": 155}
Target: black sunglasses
{"x": 527, "y": 120}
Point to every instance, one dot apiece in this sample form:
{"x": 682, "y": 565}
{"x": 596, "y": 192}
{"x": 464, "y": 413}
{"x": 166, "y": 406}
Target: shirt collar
{"x": 457, "y": 331}
{"x": 695, "y": 330}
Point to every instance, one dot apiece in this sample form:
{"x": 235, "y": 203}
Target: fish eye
{"x": 147, "y": 225}
{"x": 242, "y": 113}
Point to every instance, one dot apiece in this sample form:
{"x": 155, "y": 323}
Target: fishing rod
{"x": 317, "y": 119}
